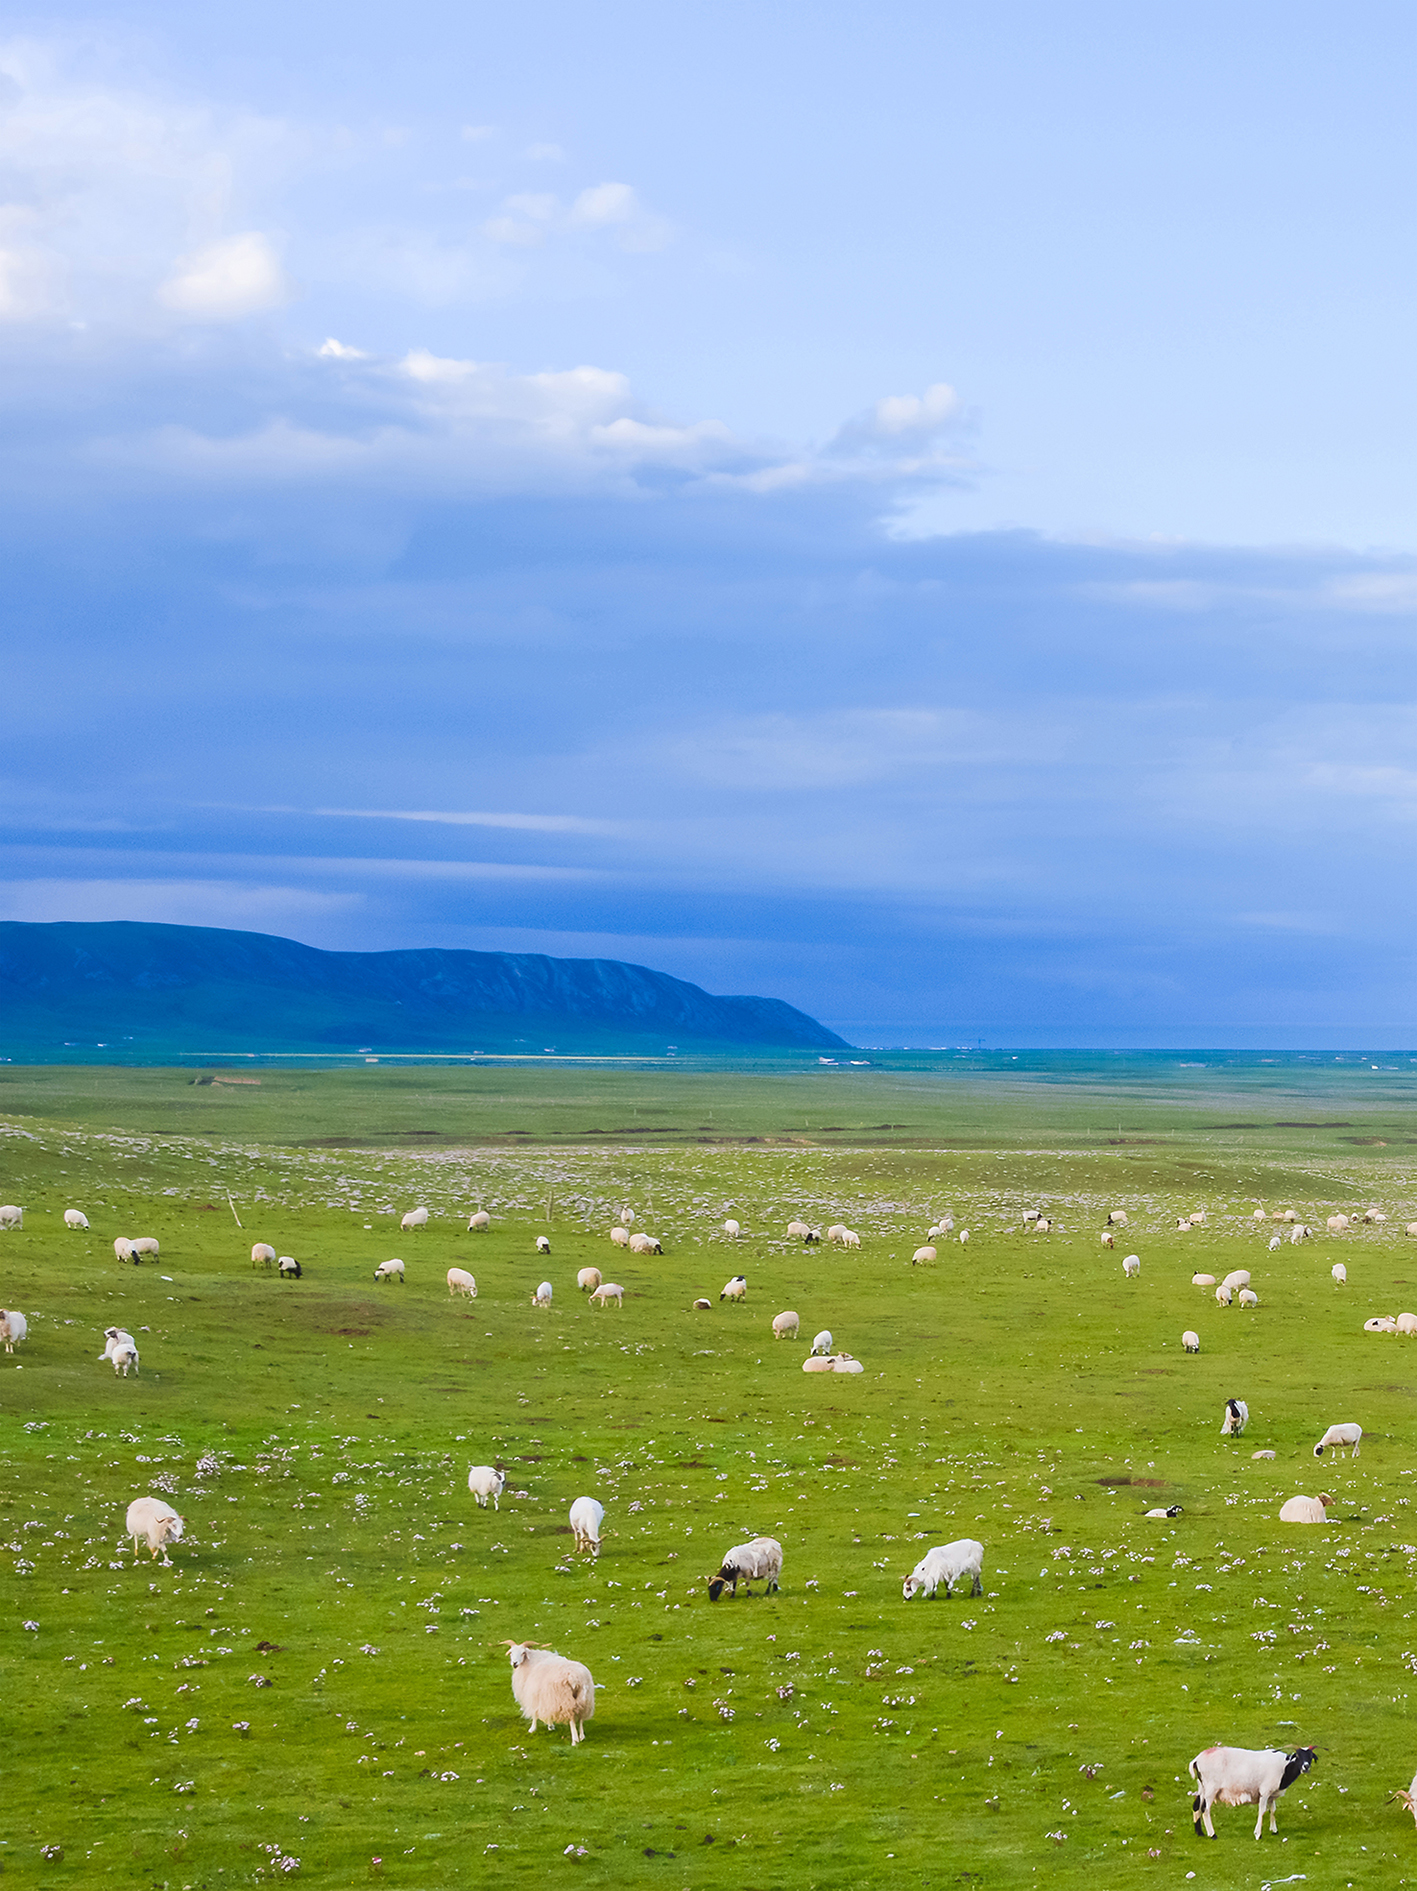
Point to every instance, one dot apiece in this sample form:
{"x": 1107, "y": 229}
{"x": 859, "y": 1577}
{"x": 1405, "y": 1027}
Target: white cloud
{"x": 902, "y": 422}
{"x": 618, "y": 207}
{"x": 545, "y": 153}
{"x": 477, "y": 134}
{"x": 527, "y": 823}
{"x": 235, "y": 276}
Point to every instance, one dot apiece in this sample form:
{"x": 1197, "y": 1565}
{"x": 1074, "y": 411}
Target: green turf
{"x": 832, "y": 1735}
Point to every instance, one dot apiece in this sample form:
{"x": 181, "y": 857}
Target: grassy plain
{"x": 833, "y": 1735}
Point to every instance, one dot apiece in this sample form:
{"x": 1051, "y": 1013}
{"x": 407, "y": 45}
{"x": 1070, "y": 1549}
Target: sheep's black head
{"x": 717, "y": 1585}
{"x": 1299, "y": 1761}
{"x": 1173, "y": 1510}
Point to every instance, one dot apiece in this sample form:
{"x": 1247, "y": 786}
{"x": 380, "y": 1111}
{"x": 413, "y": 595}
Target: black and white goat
{"x": 1244, "y": 1776}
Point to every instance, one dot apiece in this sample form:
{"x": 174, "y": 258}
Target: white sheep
{"x": 735, "y": 1289}
{"x": 11, "y": 1217}
{"x": 1237, "y": 1416}
{"x": 758, "y": 1561}
{"x": 1407, "y": 1323}
{"x": 947, "y": 1225}
{"x": 123, "y": 1352}
{"x": 542, "y": 1296}
{"x": 13, "y": 1328}
{"x": 645, "y": 1244}
{"x": 1304, "y": 1510}
{"x": 798, "y": 1231}
{"x": 1384, "y": 1323}
{"x": 1162, "y": 1516}
{"x": 1116, "y": 1218}
{"x": 1299, "y": 1232}
{"x": 923, "y": 1255}
{"x": 1262, "y": 1454}
{"x": 1336, "y": 1223}
{"x": 152, "y": 1521}
{"x": 262, "y": 1254}
{"x": 850, "y": 1238}
{"x": 823, "y": 1342}
{"x": 146, "y": 1245}
{"x": 1340, "y": 1438}
{"x": 834, "y": 1362}
{"x": 607, "y": 1292}
{"x": 835, "y": 1232}
{"x": 1274, "y": 1241}
{"x": 964, "y": 1237}
{"x": 585, "y": 1517}
{"x": 785, "y": 1325}
{"x": 415, "y": 1218}
{"x": 123, "y": 1251}
{"x": 75, "y": 1218}
{"x": 588, "y": 1279}
{"x": 552, "y": 1688}
{"x": 732, "y": 1229}
{"x": 288, "y": 1267}
{"x": 116, "y": 1339}
{"x": 543, "y": 1244}
{"x": 390, "y": 1270}
{"x": 1373, "y": 1217}
{"x": 1339, "y": 1273}
{"x": 1109, "y": 1240}
{"x": 1259, "y": 1215}
{"x": 1202, "y": 1280}
{"x": 946, "y": 1565}
{"x": 627, "y": 1216}
{"x": 1183, "y": 1224}
{"x": 701, "y": 1306}
{"x": 1191, "y": 1341}
{"x": 461, "y": 1282}
{"x": 1131, "y": 1266}
{"x": 620, "y": 1237}
{"x": 1224, "y": 1295}
{"x": 1239, "y": 1278}
{"x": 1042, "y": 1226}
{"x": 1197, "y": 1218}
{"x": 479, "y": 1222}
{"x": 1248, "y": 1297}
{"x": 486, "y": 1483}
{"x": 1411, "y": 1228}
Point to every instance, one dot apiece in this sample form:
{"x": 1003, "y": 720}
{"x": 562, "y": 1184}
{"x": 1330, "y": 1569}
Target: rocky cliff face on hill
{"x": 151, "y": 988}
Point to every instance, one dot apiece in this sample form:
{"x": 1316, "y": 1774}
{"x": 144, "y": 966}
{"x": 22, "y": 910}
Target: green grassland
{"x": 316, "y": 1436}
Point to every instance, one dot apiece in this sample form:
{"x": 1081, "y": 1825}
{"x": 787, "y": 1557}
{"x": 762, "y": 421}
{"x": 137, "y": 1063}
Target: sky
{"x": 907, "y": 510}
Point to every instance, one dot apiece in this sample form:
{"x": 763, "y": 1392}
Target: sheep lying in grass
{"x": 461, "y": 1282}
{"x": 589, "y": 1279}
{"x": 1162, "y": 1516}
{"x": 1191, "y": 1341}
{"x": 1202, "y": 1280}
{"x": 758, "y": 1561}
{"x": 75, "y": 1218}
{"x": 946, "y": 1565}
{"x": 262, "y": 1253}
{"x": 1340, "y": 1438}
{"x": 833, "y": 1362}
{"x": 702, "y": 1306}
{"x": 486, "y": 1481}
{"x": 390, "y": 1270}
{"x": 152, "y": 1521}
{"x": 585, "y": 1518}
{"x": 1305, "y": 1510}
{"x": 1237, "y": 1416}
{"x": 608, "y": 1292}
{"x": 552, "y": 1688}
{"x": 785, "y": 1325}
{"x": 13, "y": 1328}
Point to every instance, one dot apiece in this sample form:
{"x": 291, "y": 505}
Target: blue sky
{"x": 909, "y": 512}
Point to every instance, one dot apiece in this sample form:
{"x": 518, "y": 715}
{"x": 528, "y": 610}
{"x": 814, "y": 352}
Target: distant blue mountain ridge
{"x": 146, "y": 990}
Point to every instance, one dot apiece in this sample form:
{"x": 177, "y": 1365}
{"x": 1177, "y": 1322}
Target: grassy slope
{"x": 1001, "y": 1387}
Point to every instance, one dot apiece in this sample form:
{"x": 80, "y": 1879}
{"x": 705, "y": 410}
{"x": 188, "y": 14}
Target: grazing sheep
{"x": 758, "y": 1561}
{"x": 116, "y": 1339}
{"x": 1261, "y": 1454}
{"x": 1202, "y": 1280}
{"x": 798, "y": 1231}
{"x": 1339, "y": 1273}
{"x": 1116, "y": 1218}
{"x": 479, "y": 1222}
{"x": 1237, "y": 1416}
{"x": 1197, "y": 1219}
{"x": 735, "y": 1289}
{"x": 551, "y": 1687}
{"x": 1411, "y": 1228}
{"x": 124, "y": 1251}
{"x": 1407, "y": 1323}
{"x": 461, "y": 1282}
{"x": 944, "y": 1566}
{"x": 585, "y": 1518}
{"x": 732, "y": 1230}
{"x": 947, "y": 1225}
{"x": 262, "y": 1254}
{"x": 1224, "y": 1295}
{"x": 589, "y": 1279}
{"x": 1109, "y": 1240}
{"x": 75, "y": 1218}
{"x": 922, "y": 1255}
{"x": 1299, "y": 1232}
{"x": 1304, "y": 1510}
{"x": 608, "y": 1291}
{"x": 1030, "y": 1214}
{"x": 415, "y": 1218}
{"x": 1160, "y": 1516}
{"x": 1238, "y": 1279}
{"x": 288, "y": 1267}
{"x": 1259, "y": 1215}
{"x": 123, "y": 1353}
{"x": 1336, "y": 1223}
{"x": 1248, "y": 1297}
{"x": 486, "y": 1482}
{"x": 1373, "y": 1217}
{"x": 543, "y": 1245}
{"x": 1191, "y": 1341}
{"x": 1131, "y": 1266}
{"x": 645, "y": 1244}
{"x": 1340, "y": 1438}
{"x": 146, "y": 1245}
{"x": 11, "y": 1217}
{"x": 390, "y": 1270}
{"x": 702, "y": 1306}
{"x": 850, "y": 1238}
{"x": 620, "y": 1237}
{"x": 542, "y": 1296}
{"x": 627, "y": 1217}
{"x": 785, "y": 1325}
{"x": 834, "y": 1233}
{"x": 13, "y": 1328}
{"x": 1274, "y": 1242}
{"x": 1384, "y": 1324}
{"x": 152, "y": 1521}
{"x": 1042, "y": 1226}
{"x": 964, "y": 1237}
{"x": 1243, "y": 1776}
{"x": 823, "y": 1342}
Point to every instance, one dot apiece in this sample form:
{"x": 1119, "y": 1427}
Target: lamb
{"x": 1243, "y": 1776}
{"x": 645, "y": 1244}
{"x": 124, "y": 1353}
{"x": 1340, "y": 1438}
{"x": 149, "y": 1519}
{"x": 479, "y": 1222}
{"x": 461, "y": 1282}
{"x": 732, "y": 1230}
{"x": 1384, "y": 1324}
{"x": 1274, "y": 1242}
{"x": 964, "y": 1237}
{"x": 1183, "y": 1224}
{"x": 551, "y": 1687}
{"x": 262, "y": 1254}
{"x": 1336, "y": 1223}
{"x": 13, "y": 1328}
{"x": 1248, "y": 1297}
{"x": 922, "y": 1255}
{"x": 585, "y": 1518}
{"x": 1191, "y": 1341}
{"x": 823, "y": 1342}
{"x": 1197, "y": 1218}
{"x": 1042, "y": 1226}
{"x": 1109, "y": 1240}
{"x": 758, "y": 1561}
{"x": 1259, "y": 1215}
{"x": 75, "y": 1218}
{"x": 124, "y": 1251}
{"x": 1237, "y": 1416}
{"x": 1299, "y": 1232}
{"x": 1304, "y": 1510}
{"x": 486, "y": 1481}
{"x": 390, "y": 1270}
{"x": 543, "y": 1245}
{"x": 146, "y": 1245}
{"x": 11, "y": 1217}
{"x": 1131, "y": 1267}
{"x": 1223, "y": 1295}
{"x": 814, "y": 1364}
{"x": 116, "y": 1339}
{"x": 607, "y": 1292}
{"x": 620, "y": 1237}
{"x": 415, "y": 1218}
{"x": 288, "y": 1267}
{"x": 944, "y": 1566}
{"x": 542, "y": 1296}
{"x": 850, "y": 1238}
{"x": 843, "y": 1362}
{"x": 1339, "y": 1273}
{"x": 1373, "y": 1217}
{"x": 1202, "y": 1280}
{"x": 589, "y": 1279}
{"x": 785, "y": 1325}
{"x": 1116, "y": 1218}
{"x": 1162, "y": 1516}
{"x": 735, "y": 1289}
{"x": 1411, "y": 1228}
{"x": 627, "y": 1216}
